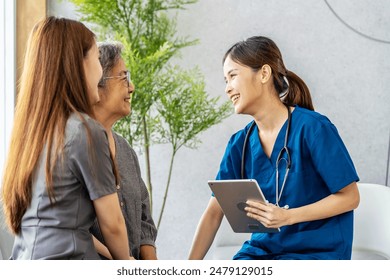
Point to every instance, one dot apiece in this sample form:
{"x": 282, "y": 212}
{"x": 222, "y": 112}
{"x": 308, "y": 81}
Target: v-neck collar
{"x": 257, "y": 148}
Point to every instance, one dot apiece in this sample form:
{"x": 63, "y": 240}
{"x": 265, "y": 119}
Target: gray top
{"x": 61, "y": 231}
{"x": 134, "y": 199}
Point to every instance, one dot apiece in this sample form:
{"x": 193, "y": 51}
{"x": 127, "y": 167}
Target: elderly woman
{"x": 115, "y": 89}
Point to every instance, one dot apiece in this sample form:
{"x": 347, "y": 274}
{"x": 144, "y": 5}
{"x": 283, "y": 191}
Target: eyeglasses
{"x": 126, "y": 76}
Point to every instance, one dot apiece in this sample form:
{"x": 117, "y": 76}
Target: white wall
{"x": 348, "y": 75}
{"x": 7, "y": 96}
{"x": 7, "y": 74}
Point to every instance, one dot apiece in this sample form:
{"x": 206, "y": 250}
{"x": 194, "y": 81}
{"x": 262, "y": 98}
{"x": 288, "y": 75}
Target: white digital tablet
{"x": 232, "y": 196}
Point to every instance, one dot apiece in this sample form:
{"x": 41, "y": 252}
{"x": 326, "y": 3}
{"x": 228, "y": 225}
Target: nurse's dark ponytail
{"x": 257, "y": 51}
{"x": 297, "y": 92}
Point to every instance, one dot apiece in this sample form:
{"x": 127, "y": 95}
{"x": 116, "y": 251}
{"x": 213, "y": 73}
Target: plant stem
{"x": 147, "y": 163}
{"x": 166, "y": 188}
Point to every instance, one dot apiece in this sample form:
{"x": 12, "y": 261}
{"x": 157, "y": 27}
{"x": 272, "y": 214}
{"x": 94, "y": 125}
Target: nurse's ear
{"x": 265, "y": 73}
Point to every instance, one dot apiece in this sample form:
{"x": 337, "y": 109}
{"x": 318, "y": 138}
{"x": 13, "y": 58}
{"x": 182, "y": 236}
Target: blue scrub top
{"x": 320, "y": 166}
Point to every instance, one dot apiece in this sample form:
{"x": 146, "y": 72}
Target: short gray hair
{"x": 109, "y": 54}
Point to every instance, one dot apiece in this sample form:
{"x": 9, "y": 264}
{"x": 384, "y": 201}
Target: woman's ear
{"x": 265, "y": 73}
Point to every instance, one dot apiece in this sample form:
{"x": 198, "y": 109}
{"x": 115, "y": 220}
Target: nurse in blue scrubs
{"x": 313, "y": 201}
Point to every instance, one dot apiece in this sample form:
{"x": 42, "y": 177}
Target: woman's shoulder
{"x": 309, "y": 117}
{"x": 242, "y": 132}
{"x": 119, "y": 139}
{"x": 237, "y": 138}
{"x": 122, "y": 143}
{"x": 79, "y": 125}
{"x": 312, "y": 124}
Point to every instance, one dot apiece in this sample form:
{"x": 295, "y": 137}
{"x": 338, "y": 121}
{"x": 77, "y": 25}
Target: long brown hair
{"x": 257, "y": 51}
{"x": 52, "y": 86}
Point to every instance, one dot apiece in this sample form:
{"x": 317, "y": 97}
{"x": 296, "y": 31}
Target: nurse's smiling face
{"x": 243, "y": 86}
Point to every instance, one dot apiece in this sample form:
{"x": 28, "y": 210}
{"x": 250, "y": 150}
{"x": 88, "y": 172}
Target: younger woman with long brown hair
{"x": 59, "y": 174}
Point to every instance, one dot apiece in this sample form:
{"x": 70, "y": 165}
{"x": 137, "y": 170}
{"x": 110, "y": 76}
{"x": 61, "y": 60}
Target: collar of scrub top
{"x": 278, "y": 159}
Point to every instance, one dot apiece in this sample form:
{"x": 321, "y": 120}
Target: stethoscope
{"x": 278, "y": 159}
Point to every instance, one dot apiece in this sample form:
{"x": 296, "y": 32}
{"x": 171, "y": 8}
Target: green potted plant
{"x": 170, "y": 104}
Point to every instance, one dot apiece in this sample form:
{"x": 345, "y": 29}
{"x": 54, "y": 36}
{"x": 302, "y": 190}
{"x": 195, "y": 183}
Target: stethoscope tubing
{"x": 278, "y": 159}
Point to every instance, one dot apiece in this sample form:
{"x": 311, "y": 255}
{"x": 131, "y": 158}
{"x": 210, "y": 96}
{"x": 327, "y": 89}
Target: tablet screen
{"x": 232, "y": 196}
